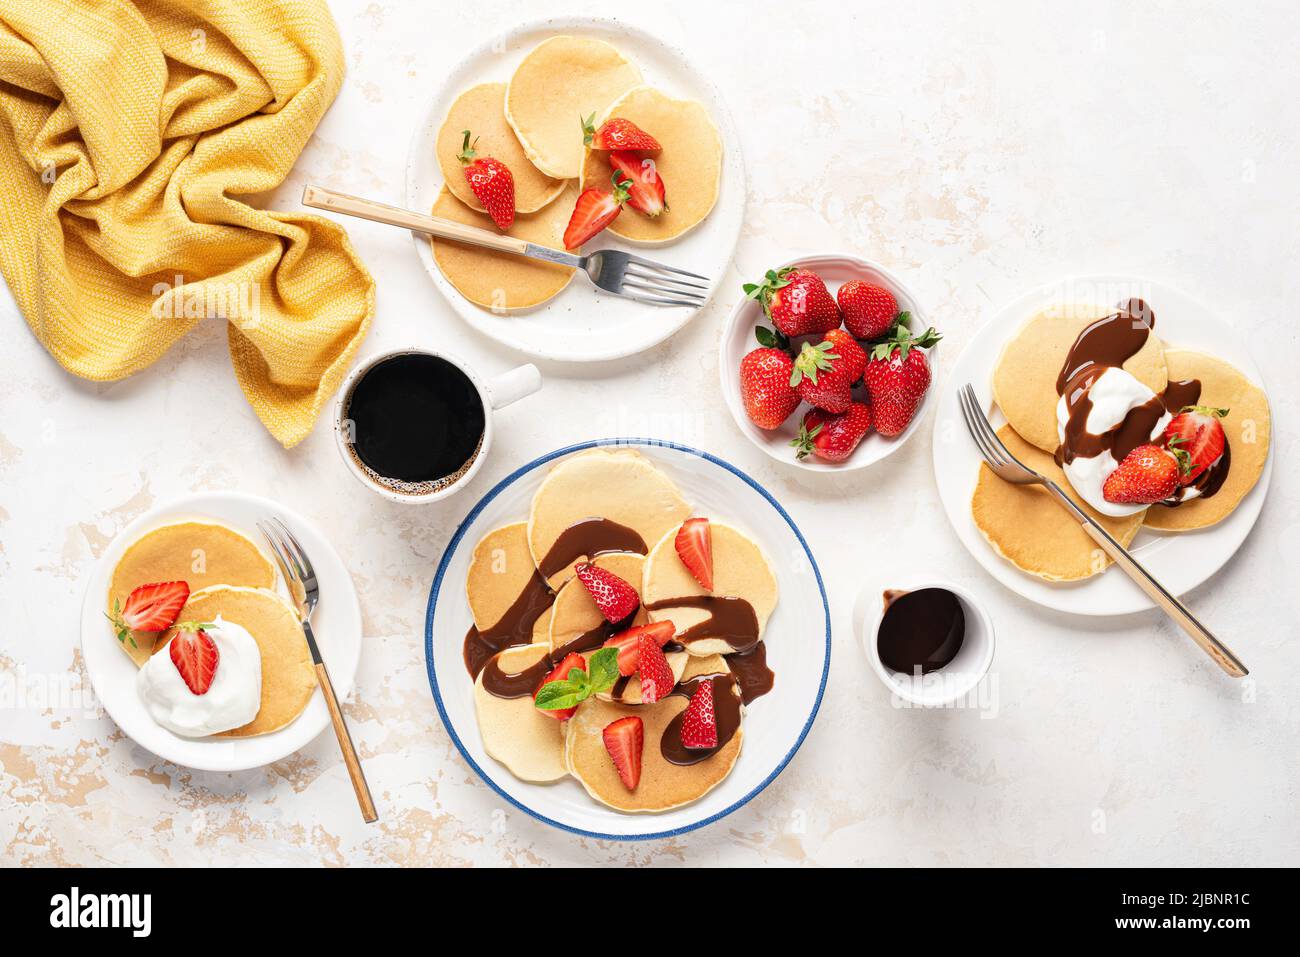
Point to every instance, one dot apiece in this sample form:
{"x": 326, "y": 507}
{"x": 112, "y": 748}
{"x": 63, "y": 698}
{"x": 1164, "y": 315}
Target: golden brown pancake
{"x": 740, "y": 570}
{"x": 1247, "y": 427}
{"x": 690, "y": 164}
{"x": 663, "y": 785}
{"x": 499, "y": 570}
{"x": 502, "y": 282}
{"x": 617, "y": 484}
{"x": 527, "y": 742}
{"x": 288, "y": 677}
{"x": 1024, "y": 380}
{"x": 561, "y": 82}
{"x": 197, "y": 553}
{"x": 481, "y": 110}
{"x": 574, "y": 613}
{"x": 1028, "y": 528}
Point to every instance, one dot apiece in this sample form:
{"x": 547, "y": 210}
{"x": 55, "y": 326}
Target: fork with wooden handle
{"x": 1010, "y": 469}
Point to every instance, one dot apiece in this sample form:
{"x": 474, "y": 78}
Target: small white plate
{"x": 798, "y": 637}
{"x": 582, "y": 324}
{"x": 738, "y": 340}
{"x": 1179, "y": 561}
{"x": 336, "y": 622}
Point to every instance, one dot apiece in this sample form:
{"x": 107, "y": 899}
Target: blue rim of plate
{"x": 460, "y": 534}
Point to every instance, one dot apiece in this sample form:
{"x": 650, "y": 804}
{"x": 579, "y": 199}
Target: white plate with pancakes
{"x": 542, "y": 310}
{"x": 796, "y": 637}
{"x": 1180, "y": 560}
{"x": 336, "y": 622}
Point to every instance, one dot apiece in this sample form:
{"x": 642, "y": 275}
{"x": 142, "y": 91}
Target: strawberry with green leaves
{"x": 617, "y": 133}
{"x": 897, "y": 377}
{"x": 824, "y": 374}
{"x": 646, "y": 192}
{"x": 574, "y": 680}
{"x": 796, "y": 300}
{"x": 1197, "y": 432}
{"x": 492, "y": 183}
{"x": 151, "y": 607}
{"x": 830, "y": 436}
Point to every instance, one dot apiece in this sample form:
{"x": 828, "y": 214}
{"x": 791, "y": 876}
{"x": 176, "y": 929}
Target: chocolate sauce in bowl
{"x": 730, "y": 619}
{"x": 726, "y": 710}
{"x": 921, "y": 629}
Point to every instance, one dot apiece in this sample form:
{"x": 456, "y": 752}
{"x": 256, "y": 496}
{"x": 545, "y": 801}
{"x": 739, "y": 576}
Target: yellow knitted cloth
{"x": 126, "y": 132}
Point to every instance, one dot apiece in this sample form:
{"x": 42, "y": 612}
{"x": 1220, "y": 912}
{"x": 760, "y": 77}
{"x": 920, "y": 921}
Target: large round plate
{"x": 336, "y": 622}
{"x": 1179, "y": 561}
{"x": 799, "y": 646}
{"x": 581, "y": 324}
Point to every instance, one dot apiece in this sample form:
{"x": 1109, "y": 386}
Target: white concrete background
{"x": 978, "y": 150}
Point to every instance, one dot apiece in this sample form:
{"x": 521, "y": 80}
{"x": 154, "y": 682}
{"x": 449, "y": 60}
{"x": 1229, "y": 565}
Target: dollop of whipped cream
{"x": 1113, "y": 395}
{"x": 232, "y": 700}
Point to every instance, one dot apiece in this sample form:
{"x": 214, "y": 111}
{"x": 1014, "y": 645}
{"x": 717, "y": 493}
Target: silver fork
{"x": 612, "y": 270}
{"x": 300, "y": 576}
{"x": 1010, "y": 469}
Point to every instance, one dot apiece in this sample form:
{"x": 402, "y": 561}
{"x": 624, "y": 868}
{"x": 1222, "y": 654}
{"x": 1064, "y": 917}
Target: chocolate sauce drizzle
{"x": 730, "y": 619}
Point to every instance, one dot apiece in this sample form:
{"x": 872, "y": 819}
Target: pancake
{"x": 616, "y": 484}
{"x": 527, "y": 742}
{"x": 1247, "y": 427}
{"x": 198, "y": 553}
{"x": 1024, "y": 380}
{"x": 575, "y": 614}
{"x": 502, "y": 282}
{"x": 1028, "y": 528}
{"x": 288, "y": 677}
{"x": 499, "y": 570}
{"x": 481, "y": 110}
{"x": 690, "y": 164}
{"x": 740, "y": 570}
{"x": 663, "y": 785}
{"x": 562, "y": 81}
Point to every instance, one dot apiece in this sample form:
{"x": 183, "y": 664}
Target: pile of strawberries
{"x": 850, "y": 356}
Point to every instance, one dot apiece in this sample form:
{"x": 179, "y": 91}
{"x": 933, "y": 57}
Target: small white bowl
{"x": 951, "y": 682}
{"x": 738, "y": 340}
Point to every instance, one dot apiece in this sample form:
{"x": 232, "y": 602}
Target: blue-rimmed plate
{"x": 798, "y": 641}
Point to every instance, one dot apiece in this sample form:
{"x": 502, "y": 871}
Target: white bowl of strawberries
{"x": 827, "y": 363}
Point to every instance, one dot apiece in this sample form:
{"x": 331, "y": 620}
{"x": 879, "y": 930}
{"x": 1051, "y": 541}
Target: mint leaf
{"x": 604, "y": 670}
{"x": 556, "y": 695}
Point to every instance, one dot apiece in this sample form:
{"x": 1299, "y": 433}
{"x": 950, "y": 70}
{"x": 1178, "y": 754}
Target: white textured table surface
{"x": 977, "y": 151}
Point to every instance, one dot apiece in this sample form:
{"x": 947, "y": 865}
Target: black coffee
{"x": 416, "y": 422}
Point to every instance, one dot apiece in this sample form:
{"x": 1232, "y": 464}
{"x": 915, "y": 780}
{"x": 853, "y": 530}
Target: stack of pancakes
{"x": 1033, "y": 532}
{"x": 229, "y": 576}
{"x": 623, "y": 487}
{"x": 533, "y": 124}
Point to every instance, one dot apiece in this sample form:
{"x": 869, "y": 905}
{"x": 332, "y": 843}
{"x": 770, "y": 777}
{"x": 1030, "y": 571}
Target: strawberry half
{"x": 1197, "y": 433}
{"x": 559, "y": 673}
{"x": 595, "y": 209}
{"x": 656, "y": 676}
{"x": 694, "y": 543}
{"x": 629, "y": 647}
{"x": 646, "y": 194}
{"x": 617, "y": 133}
{"x": 615, "y": 598}
{"x": 1148, "y": 474}
{"x": 492, "y": 183}
{"x": 624, "y": 740}
{"x": 195, "y": 656}
{"x": 699, "y": 724}
{"x": 152, "y": 607}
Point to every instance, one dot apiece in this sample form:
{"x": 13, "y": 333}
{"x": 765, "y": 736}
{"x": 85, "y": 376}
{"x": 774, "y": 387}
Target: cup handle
{"x": 514, "y": 385}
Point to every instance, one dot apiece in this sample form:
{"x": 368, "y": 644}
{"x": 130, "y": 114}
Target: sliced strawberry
{"x": 617, "y": 133}
{"x": 628, "y": 643}
{"x": 699, "y": 725}
{"x": 615, "y": 598}
{"x": 646, "y": 194}
{"x": 695, "y": 548}
{"x": 595, "y": 209}
{"x": 559, "y": 673}
{"x": 624, "y": 740}
{"x": 195, "y": 656}
{"x": 656, "y": 676}
{"x": 1197, "y": 433}
{"x": 152, "y": 607}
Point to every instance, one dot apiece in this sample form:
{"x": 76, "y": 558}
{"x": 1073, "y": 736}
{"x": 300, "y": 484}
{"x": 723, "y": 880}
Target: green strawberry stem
{"x": 904, "y": 342}
{"x": 588, "y": 129}
{"x": 803, "y": 445}
{"x": 1205, "y": 410}
{"x": 622, "y": 186}
{"x": 811, "y": 360}
{"x": 467, "y": 153}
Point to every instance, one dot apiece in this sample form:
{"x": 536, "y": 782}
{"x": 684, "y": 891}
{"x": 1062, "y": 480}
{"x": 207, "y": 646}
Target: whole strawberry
{"x": 796, "y": 300}
{"x": 824, "y": 374}
{"x": 765, "y": 386}
{"x": 830, "y": 436}
{"x": 897, "y": 377}
{"x": 1148, "y": 474}
{"x": 492, "y": 183}
{"x": 869, "y": 311}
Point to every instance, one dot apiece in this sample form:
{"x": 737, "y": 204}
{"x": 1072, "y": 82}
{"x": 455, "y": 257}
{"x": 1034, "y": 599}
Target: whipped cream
{"x": 232, "y": 700}
{"x": 1113, "y": 395}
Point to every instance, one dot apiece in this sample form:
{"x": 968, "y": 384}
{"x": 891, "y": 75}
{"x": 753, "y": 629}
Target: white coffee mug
{"x": 494, "y": 394}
